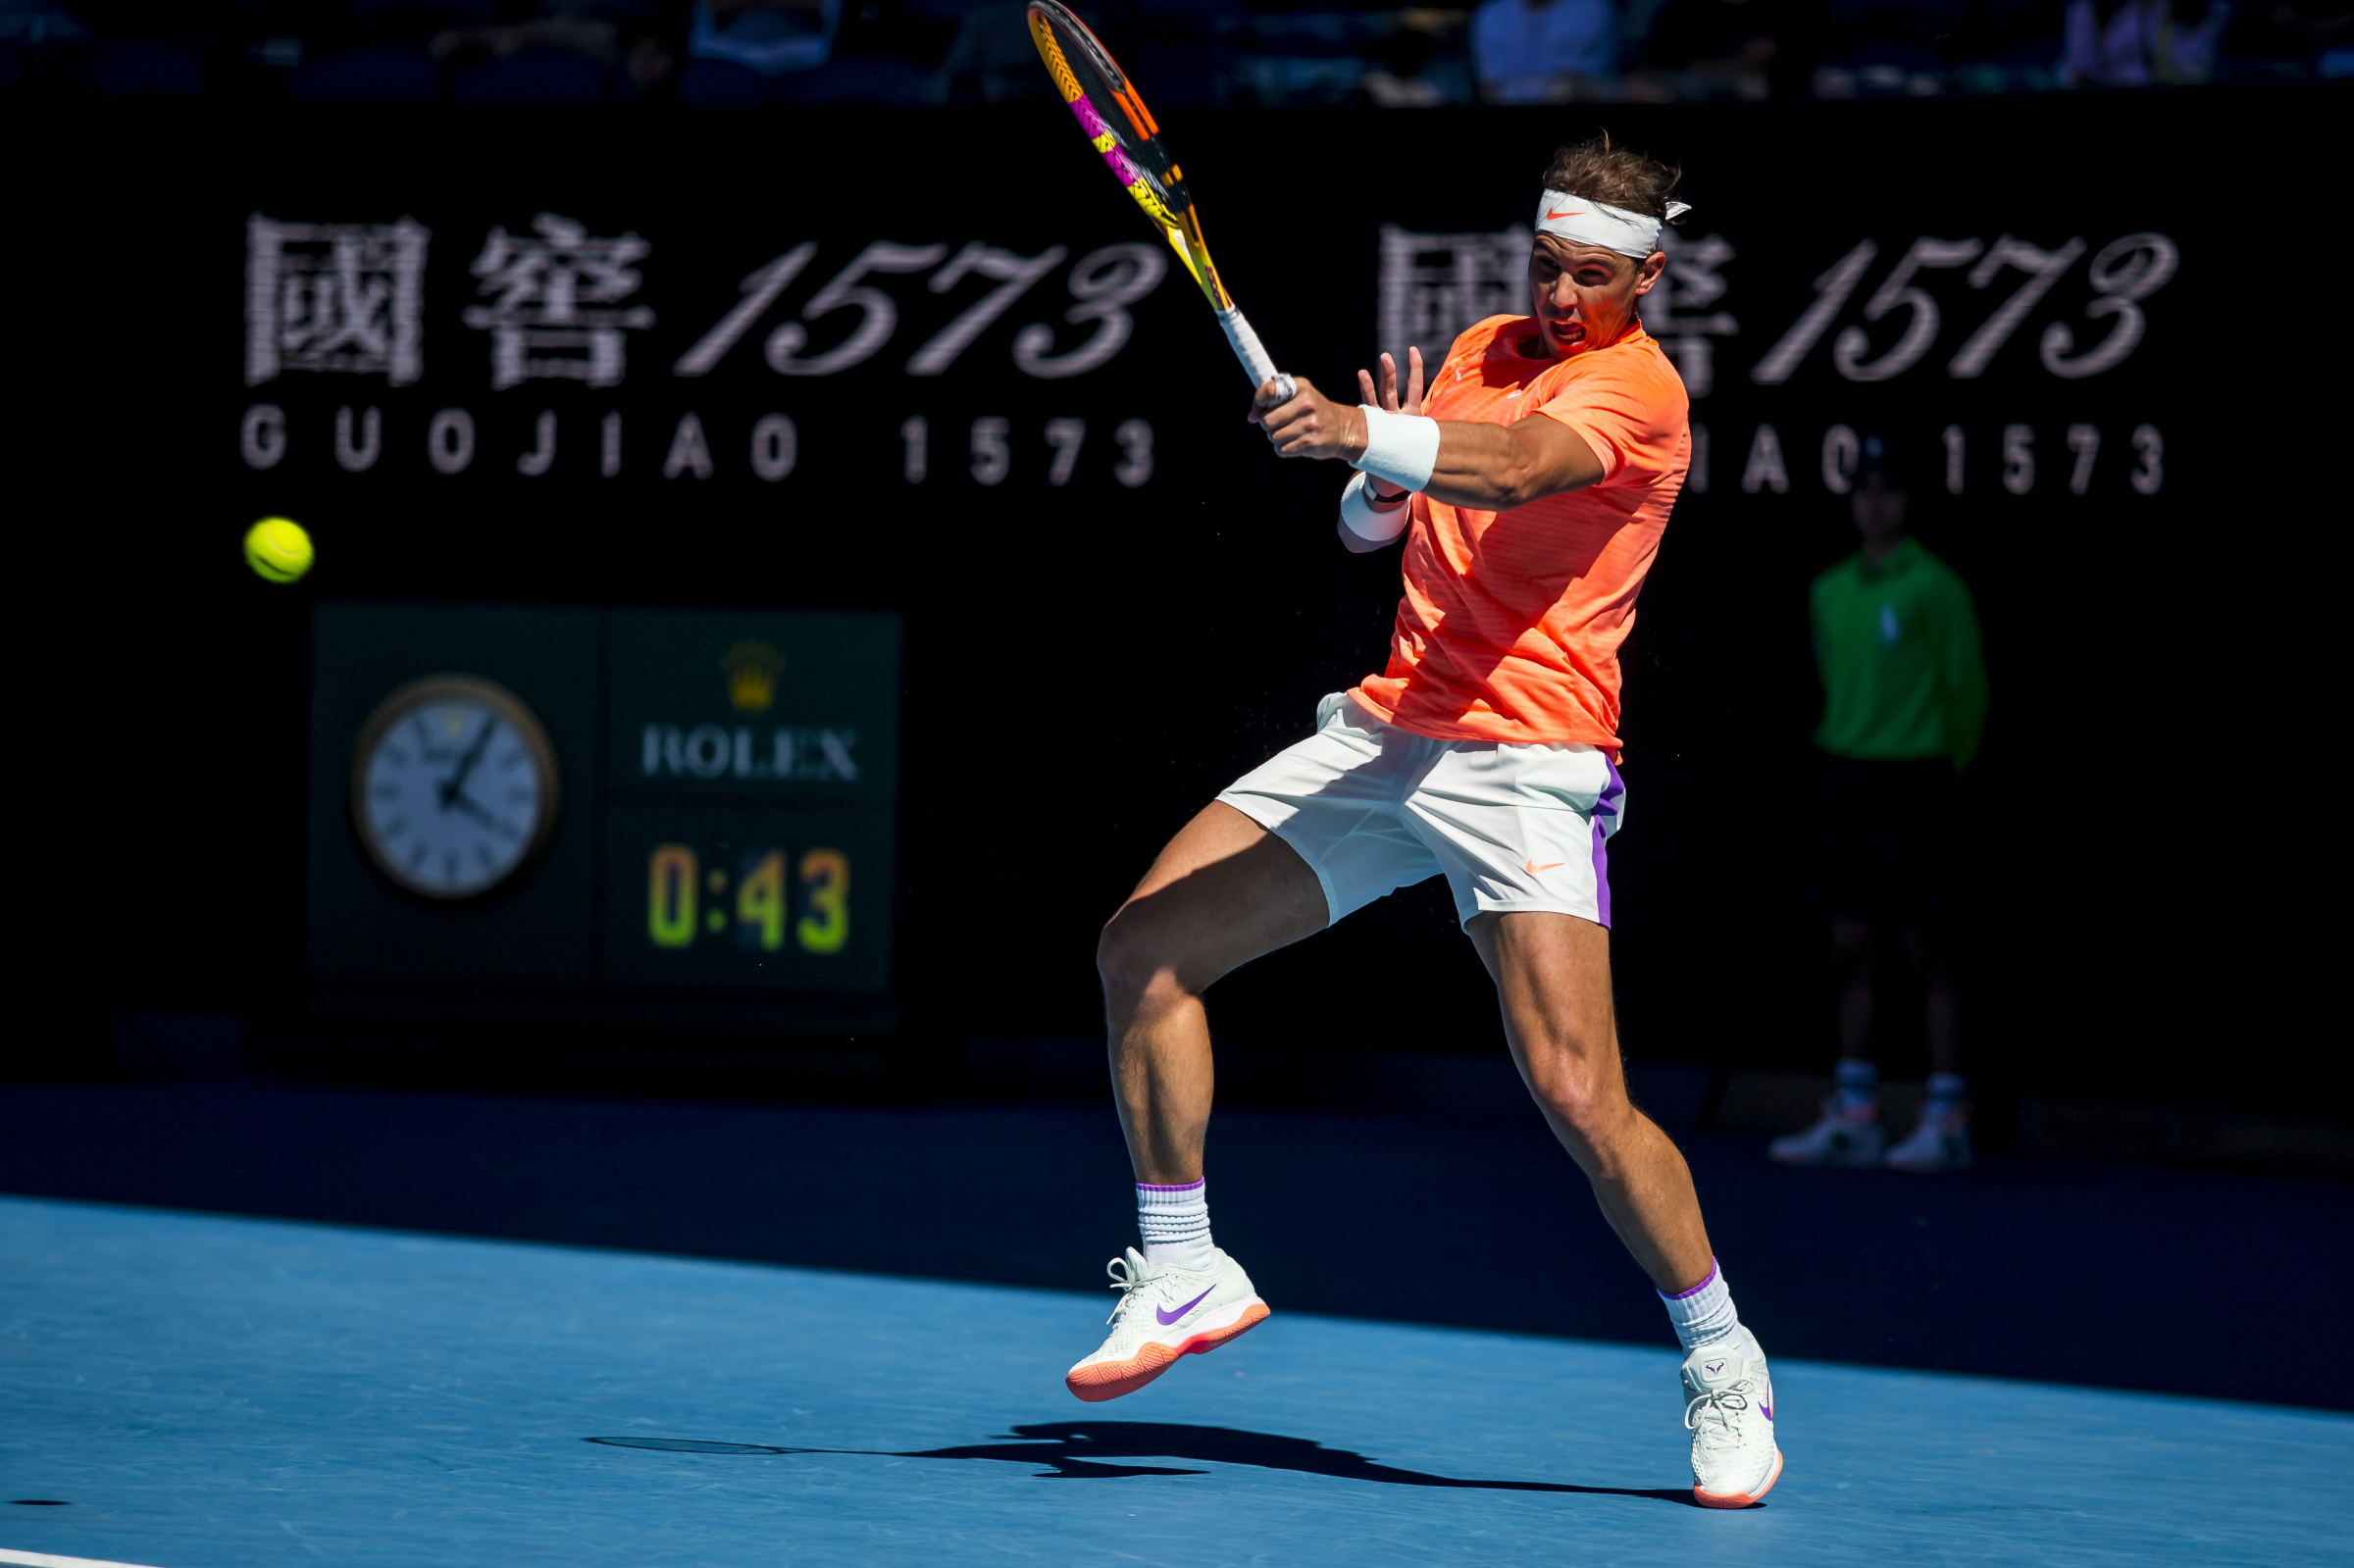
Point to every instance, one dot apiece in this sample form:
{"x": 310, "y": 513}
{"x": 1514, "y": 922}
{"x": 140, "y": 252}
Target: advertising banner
{"x": 834, "y": 363}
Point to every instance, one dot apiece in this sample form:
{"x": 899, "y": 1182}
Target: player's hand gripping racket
{"x": 1120, "y": 128}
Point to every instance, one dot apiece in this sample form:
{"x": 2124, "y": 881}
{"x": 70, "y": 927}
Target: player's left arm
{"x": 1491, "y": 467}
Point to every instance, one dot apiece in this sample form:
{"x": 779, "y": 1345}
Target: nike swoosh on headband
{"x": 1167, "y": 1317}
{"x": 1629, "y": 234}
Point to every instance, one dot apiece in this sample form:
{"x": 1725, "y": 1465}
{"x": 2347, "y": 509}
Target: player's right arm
{"x": 1493, "y": 468}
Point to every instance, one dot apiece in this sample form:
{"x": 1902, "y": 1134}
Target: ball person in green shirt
{"x": 1903, "y": 689}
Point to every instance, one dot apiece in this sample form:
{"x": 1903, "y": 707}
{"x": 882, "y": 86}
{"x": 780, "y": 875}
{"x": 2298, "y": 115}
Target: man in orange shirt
{"x": 1531, "y": 484}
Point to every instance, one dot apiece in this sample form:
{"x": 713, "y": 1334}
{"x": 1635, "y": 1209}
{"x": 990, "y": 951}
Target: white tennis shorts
{"x": 1372, "y": 808}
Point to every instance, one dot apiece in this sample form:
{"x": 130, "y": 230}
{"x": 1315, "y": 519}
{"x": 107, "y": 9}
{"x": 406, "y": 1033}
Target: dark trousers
{"x": 1884, "y": 839}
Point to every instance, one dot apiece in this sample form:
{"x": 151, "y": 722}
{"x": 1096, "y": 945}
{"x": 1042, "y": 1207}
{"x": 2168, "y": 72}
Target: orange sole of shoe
{"x": 1109, "y": 1380}
{"x": 1739, "y": 1499}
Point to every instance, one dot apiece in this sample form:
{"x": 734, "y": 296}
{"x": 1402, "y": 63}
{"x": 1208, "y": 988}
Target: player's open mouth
{"x": 1566, "y": 332}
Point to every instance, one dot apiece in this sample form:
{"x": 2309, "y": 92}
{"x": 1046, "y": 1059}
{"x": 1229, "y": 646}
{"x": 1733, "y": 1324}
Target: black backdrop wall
{"x": 937, "y": 366}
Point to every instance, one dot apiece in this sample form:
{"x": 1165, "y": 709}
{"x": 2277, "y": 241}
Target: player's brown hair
{"x": 1601, "y": 171}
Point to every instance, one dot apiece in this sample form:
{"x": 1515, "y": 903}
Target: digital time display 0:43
{"x": 783, "y": 899}
{"x": 685, "y": 899}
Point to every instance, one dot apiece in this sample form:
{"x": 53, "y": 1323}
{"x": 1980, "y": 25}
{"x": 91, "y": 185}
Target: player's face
{"x": 1584, "y": 296}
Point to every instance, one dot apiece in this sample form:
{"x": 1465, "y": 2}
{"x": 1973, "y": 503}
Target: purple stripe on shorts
{"x": 1190, "y": 1186}
{"x": 1602, "y": 881}
{"x": 1606, "y": 805}
{"x": 1681, "y": 1296}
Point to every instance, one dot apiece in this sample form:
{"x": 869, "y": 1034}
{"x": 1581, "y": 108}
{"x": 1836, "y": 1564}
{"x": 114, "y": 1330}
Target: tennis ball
{"x": 278, "y": 549}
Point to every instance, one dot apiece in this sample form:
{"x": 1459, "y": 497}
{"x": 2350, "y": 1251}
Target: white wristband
{"x": 1370, "y": 523}
{"x": 1401, "y": 448}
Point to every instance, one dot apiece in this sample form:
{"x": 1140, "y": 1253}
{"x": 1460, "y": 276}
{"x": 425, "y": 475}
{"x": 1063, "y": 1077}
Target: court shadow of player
{"x": 1079, "y": 1451}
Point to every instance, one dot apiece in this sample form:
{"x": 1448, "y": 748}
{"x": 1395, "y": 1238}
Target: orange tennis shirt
{"x": 1512, "y": 621}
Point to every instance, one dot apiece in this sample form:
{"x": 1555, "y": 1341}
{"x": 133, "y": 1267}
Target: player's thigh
{"x": 1221, "y": 892}
{"x": 1550, "y": 969}
{"x": 1552, "y": 979}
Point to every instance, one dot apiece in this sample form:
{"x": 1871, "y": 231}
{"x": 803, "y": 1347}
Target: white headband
{"x": 1590, "y": 223}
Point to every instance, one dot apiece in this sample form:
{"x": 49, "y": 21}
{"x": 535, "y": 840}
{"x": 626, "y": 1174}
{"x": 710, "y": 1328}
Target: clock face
{"x": 453, "y": 787}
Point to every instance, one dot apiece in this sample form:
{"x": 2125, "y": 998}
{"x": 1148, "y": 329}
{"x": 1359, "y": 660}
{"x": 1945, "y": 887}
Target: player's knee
{"x": 1571, "y": 1085}
{"x": 1133, "y": 960}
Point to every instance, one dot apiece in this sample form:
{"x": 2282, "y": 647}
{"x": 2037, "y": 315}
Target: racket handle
{"x": 1253, "y": 355}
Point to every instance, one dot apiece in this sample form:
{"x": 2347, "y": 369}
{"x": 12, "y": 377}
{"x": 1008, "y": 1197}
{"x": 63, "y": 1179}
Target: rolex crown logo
{"x": 751, "y": 669}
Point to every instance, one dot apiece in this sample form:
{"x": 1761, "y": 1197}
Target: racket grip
{"x": 1253, "y": 354}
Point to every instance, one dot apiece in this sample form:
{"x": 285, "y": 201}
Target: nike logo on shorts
{"x": 1532, "y": 868}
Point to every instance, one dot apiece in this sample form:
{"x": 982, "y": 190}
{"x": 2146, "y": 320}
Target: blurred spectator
{"x": 560, "y": 38}
{"x": 2131, "y": 43}
{"x": 1420, "y": 62}
{"x": 994, "y": 60}
{"x": 1746, "y": 48}
{"x": 37, "y": 24}
{"x": 772, "y": 38}
{"x": 1545, "y": 51}
{"x": 1904, "y": 688}
{"x": 35, "y": 33}
{"x": 2307, "y": 33}
{"x": 163, "y": 48}
{"x": 1271, "y": 53}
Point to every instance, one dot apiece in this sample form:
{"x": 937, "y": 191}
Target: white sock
{"x": 1704, "y": 1314}
{"x": 1175, "y": 1223}
{"x": 1858, "y": 1082}
{"x": 1946, "y": 1093}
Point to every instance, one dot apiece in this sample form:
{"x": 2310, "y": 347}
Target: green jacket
{"x": 1898, "y": 647}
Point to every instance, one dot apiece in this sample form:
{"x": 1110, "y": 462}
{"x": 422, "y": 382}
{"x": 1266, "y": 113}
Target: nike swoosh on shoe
{"x": 1167, "y": 1317}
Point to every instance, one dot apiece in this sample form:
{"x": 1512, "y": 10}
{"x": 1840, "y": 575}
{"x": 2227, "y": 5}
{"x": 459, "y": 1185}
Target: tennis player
{"x": 1532, "y": 482}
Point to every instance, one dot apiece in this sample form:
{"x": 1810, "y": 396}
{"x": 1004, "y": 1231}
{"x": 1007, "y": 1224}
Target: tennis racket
{"x": 1112, "y": 114}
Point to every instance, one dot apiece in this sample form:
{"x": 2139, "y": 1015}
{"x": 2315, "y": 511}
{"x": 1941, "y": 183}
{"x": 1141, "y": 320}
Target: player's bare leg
{"x": 1224, "y": 892}
{"x": 1553, "y": 978}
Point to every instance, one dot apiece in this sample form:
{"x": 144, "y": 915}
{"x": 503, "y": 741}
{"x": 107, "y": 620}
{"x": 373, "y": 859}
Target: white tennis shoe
{"x": 1941, "y": 1142}
{"x": 1164, "y": 1312}
{"x": 1728, "y": 1403}
{"x": 1847, "y": 1135}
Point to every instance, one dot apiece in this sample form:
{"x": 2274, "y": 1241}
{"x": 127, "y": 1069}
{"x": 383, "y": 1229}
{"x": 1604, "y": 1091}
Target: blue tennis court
{"x": 193, "y": 1391}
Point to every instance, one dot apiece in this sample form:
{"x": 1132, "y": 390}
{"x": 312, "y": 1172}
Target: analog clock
{"x": 453, "y": 787}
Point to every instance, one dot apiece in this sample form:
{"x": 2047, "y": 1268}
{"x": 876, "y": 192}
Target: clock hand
{"x": 474, "y": 754}
{"x": 467, "y": 805}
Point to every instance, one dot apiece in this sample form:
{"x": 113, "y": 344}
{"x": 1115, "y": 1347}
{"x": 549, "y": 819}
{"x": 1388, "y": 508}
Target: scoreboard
{"x": 643, "y": 815}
